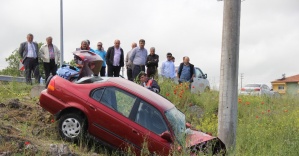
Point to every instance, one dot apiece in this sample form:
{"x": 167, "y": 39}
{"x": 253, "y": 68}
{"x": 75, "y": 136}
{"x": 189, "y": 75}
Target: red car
{"x": 121, "y": 114}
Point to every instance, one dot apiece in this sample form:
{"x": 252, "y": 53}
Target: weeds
{"x": 266, "y": 126}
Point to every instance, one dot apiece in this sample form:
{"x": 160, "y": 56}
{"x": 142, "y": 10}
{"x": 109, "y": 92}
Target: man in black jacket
{"x": 186, "y": 71}
{"x": 152, "y": 63}
{"x": 115, "y": 59}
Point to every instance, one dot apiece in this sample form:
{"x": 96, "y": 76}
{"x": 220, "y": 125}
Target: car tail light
{"x": 242, "y": 89}
{"x": 51, "y": 85}
{"x": 257, "y": 89}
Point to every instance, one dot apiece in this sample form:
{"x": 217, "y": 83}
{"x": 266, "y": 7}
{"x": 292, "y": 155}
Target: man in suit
{"x": 29, "y": 53}
{"x": 115, "y": 59}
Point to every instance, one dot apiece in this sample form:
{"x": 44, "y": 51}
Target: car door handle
{"x": 91, "y": 107}
{"x": 134, "y": 131}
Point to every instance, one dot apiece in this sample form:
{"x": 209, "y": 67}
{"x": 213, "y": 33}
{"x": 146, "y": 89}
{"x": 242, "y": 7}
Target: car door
{"x": 148, "y": 125}
{"x": 110, "y": 108}
{"x": 200, "y": 83}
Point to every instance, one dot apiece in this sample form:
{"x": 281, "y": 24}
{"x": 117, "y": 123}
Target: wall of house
{"x": 292, "y": 88}
{"x": 275, "y": 88}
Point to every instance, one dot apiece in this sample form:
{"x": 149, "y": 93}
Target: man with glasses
{"x": 100, "y": 51}
{"x": 168, "y": 68}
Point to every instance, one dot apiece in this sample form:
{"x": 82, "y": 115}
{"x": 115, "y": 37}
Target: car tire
{"x": 48, "y": 80}
{"x": 72, "y": 127}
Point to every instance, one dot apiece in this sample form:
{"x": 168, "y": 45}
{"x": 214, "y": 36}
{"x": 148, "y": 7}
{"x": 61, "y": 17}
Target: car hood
{"x": 196, "y": 137}
{"x": 198, "y": 141}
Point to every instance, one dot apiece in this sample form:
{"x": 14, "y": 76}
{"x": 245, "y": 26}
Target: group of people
{"x": 139, "y": 64}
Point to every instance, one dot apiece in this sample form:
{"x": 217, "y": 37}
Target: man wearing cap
{"x": 168, "y": 68}
{"x": 29, "y": 54}
{"x": 138, "y": 57}
{"x": 150, "y": 84}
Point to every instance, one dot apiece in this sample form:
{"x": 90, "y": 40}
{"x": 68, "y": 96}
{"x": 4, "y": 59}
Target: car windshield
{"x": 252, "y": 85}
{"x": 178, "y": 124}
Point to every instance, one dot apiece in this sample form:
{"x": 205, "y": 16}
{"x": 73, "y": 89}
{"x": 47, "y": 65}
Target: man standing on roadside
{"x": 186, "y": 71}
{"x": 115, "y": 59}
{"x": 100, "y": 51}
{"x": 168, "y": 68}
{"x": 29, "y": 52}
{"x": 138, "y": 58}
{"x": 50, "y": 55}
{"x": 152, "y": 63}
{"x": 129, "y": 62}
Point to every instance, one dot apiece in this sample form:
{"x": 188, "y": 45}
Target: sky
{"x": 269, "y": 31}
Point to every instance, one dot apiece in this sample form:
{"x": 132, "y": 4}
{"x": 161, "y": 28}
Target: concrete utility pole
{"x": 61, "y": 33}
{"x": 228, "y": 95}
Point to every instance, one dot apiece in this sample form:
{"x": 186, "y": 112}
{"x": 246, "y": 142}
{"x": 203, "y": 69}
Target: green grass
{"x": 266, "y": 126}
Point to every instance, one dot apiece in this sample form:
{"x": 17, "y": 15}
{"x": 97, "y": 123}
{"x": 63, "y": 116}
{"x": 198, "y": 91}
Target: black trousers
{"x": 130, "y": 74}
{"x": 50, "y": 67}
{"x": 137, "y": 69}
{"x": 103, "y": 71}
{"x": 113, "y": 71}
{"x": 31, "y": 65}
{"x": 151, "y": 71}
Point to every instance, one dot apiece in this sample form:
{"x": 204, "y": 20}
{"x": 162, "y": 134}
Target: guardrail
{"x": 12, "y": 78}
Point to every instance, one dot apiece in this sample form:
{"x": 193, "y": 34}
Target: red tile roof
{"x": 294, "y": 78}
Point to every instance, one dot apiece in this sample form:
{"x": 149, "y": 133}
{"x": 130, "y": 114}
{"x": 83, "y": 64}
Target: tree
{"x": 14, "y": 61}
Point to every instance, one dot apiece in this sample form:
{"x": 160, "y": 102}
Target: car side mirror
{"x": 167, "y": 136}
{"x": 206, "y": 76}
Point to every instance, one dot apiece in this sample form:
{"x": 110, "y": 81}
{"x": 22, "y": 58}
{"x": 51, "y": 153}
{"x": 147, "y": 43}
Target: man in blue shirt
{"x": 168, "y": 68}
{"x": 100, "y": 51}
{"x": 138, "y": 58}
{"x": 186, "y": 71}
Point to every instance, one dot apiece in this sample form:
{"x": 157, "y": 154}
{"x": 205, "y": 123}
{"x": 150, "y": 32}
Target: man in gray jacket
{"x": 29, "y": 53}
{"x": 50, "y": 55}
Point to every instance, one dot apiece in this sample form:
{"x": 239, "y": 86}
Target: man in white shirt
{"x": 29, "y": 54}
{"x": 168, "y": 68}
{"x": 50, "y": 55}
{"x": 115, "y": 59}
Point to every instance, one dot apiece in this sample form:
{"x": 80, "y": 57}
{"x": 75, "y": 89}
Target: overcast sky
{"x": 269, "y": 34}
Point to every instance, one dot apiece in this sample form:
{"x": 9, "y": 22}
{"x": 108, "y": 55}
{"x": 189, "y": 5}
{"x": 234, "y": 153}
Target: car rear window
{"x": 252, "y": 85}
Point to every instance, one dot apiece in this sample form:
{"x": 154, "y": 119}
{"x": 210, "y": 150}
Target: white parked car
{"x": 200, "y": 82}
{"x": 256, "y": 89}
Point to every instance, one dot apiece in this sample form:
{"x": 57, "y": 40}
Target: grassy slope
{"x": 266, "y": 126}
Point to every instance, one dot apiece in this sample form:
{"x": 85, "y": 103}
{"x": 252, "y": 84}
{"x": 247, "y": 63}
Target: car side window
{"x": 198, "y": 73}
{"x": 116, "y": 99}
{"x": 150, "y": 118}
{"x": 97, "y": 94}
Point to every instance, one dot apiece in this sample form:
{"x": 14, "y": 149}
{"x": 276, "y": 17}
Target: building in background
{"x": 286, "y": 85}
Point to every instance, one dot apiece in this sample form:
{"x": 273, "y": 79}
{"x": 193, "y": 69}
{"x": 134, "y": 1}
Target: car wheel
{"x": 48, "y": 80}
{"x": 72, "y": 127}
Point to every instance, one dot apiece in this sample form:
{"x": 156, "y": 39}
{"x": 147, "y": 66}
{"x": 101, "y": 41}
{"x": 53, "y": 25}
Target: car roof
{"x": 155, "y": 99}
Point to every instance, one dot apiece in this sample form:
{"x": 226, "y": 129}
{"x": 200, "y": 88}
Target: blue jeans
{"x": 137, "y": 69}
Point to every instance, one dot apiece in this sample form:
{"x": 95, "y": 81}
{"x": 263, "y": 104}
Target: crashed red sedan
{"x": 122, "y": 114}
